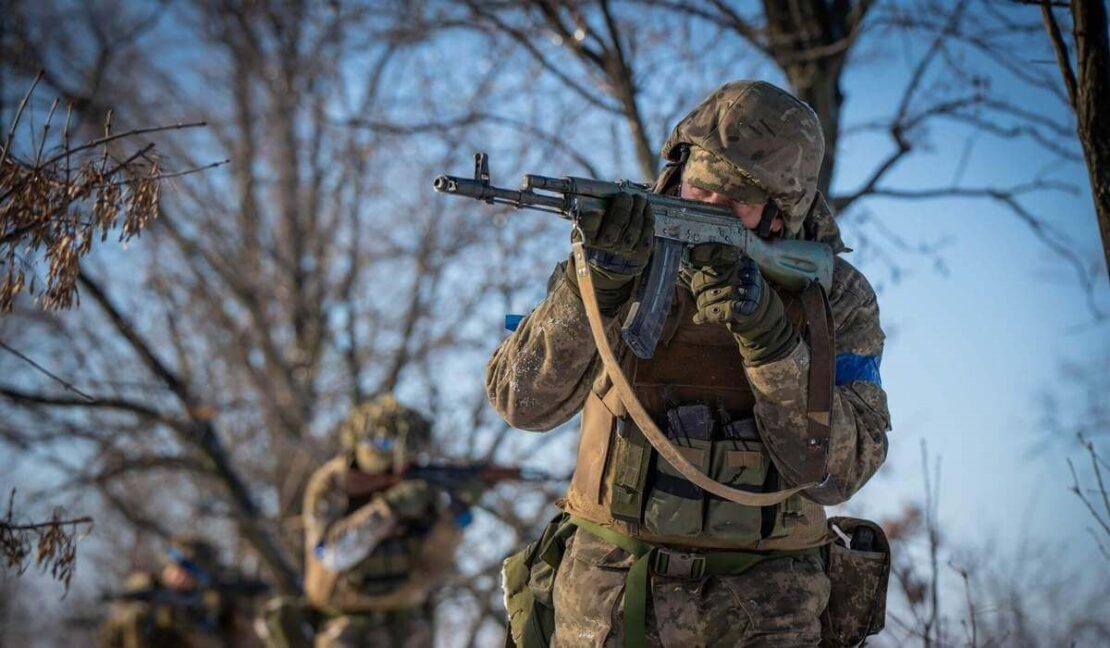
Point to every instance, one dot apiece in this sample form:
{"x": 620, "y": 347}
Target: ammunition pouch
{"x": 858, "y": 566}
{"x": 528, "y": 582}
{"x": 649, "y": 493}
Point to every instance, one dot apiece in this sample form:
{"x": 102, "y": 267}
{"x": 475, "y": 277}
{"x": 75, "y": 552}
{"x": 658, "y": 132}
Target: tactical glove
{"x": 410, "y": 499}
{"x": 730, "y": 290}
{"x": 618, "y": 245}
{"x": 470, "y": 492}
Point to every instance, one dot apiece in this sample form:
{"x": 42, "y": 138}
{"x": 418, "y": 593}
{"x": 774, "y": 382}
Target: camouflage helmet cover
{"x": 762, "y": 133}
{"x": 383, "y": 418}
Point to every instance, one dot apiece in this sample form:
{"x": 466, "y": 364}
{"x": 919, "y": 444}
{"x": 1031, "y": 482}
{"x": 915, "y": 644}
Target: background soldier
{"x": 652, "y": 558}
{"x": 374, "y": 558}
{"x": 189, "y": 603}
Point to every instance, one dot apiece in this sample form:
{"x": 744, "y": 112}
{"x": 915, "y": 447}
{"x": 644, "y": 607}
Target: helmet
{"x": 386, "y": 425}
{"x": 763, "y": 135}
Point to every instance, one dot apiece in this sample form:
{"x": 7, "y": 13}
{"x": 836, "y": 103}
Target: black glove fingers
{"x": 630, "y": 239}
{"x": 616, "y": 221}
{"x": 590, "y": 224}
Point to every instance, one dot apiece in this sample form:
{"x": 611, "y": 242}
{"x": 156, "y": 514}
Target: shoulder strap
{"x": 636, "y": 410}
{"x": 822, "y": 372}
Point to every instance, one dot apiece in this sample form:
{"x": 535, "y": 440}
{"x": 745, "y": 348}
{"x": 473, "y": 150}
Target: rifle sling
{"x": 822, "y": 371}
{"x": 640, "y": 416}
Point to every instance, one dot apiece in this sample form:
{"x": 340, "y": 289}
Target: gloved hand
{"x": 618, "y": 245}
{"x": 730, "y": 290}
{"x": 410, "y": 499}
{"x": 470, "y": 492}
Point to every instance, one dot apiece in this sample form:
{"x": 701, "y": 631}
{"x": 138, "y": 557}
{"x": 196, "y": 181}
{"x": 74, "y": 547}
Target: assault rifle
{"x": 679, "y": 224}
{"x": 190, "y": 598}
{"x": 449, "y": 477}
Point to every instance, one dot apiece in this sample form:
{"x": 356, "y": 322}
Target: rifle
{"x": 189, "y": 598}
{"x": 449, "y": 477}
{"x": 679, "y": 224}
{"x": 196, "y": 606}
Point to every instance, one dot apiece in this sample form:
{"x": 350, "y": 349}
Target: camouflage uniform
{"x": 213, "y": 620}
{"x": 379, "y": 597}
{"x": 549, "y": 369}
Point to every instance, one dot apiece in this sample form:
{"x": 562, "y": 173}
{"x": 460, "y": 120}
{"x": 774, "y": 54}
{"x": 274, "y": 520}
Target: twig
{"x": 68, "y": 386}
{"x": 15, "y": 120}
{"x": 46, "y": 525}
{"x": 1061, "y": 50}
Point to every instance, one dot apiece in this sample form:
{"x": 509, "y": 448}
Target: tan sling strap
{"x": 643, "y": 420}
{"x": 822, "y": 372}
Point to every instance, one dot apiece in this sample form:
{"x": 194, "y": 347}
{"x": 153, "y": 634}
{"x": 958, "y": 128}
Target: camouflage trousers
{"x": 409, "y": 629}
{"x": 775, "y": 603}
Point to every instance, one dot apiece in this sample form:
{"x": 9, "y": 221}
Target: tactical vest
{"x": 696, "y": 389}
{"x": 398, "y": 574}
{"x": 392, "y": 561}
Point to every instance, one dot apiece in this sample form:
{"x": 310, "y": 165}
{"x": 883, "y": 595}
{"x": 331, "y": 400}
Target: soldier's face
{"x": 175, "y": 577}
{"x": 748, "y": 213}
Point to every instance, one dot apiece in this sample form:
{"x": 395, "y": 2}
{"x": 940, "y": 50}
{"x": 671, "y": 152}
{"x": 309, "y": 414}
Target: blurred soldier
{"x": 190, "y": 603}
{"x": 374, "y": 557}
{"x": 742, "y": 383}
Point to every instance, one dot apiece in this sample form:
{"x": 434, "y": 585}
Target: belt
{"x": 674, "y": 564}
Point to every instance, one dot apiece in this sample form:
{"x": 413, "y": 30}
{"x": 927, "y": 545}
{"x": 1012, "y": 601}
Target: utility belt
{"x": 669, "y": 563}
{"x": 857, "y": 564}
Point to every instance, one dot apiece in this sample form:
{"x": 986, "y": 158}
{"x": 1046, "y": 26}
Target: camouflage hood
{"x": 764, "y": 134}
{"x": 820, "y": 225}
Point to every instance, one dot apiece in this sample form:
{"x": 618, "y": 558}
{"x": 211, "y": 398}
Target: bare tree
{"x": 947, "y": 592}
{"x": 67, "y": 196}
{"x": 1087, "y": 81}
{"x": 606, "y": 55}
{"x": 316, "y": 272}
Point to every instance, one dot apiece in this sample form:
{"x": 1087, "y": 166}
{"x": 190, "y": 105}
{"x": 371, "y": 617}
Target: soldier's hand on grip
{"x": 410, "y": 499}
{"x": 618, "y": 246}
{"x": 729, "y": 289}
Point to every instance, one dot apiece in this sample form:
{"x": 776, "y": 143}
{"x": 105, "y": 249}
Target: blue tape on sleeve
{"x": 852, "y": 367}
{"x": 512, "y": 322}
{"x": 464, "y": 518}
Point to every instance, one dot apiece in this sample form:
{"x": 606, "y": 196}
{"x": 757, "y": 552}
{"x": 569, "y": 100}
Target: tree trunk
{"x": 809, "y": 41}
{"x": 1092, "y": 97}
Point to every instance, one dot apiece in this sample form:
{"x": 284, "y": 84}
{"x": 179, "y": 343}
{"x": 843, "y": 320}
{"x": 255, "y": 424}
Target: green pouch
{"x": 632, "y": 457}
{"x": 858, "y": 566}
{"x": 741, "y": 465}
{"x": 675, "y": 507}
{"x": 528, "y": 582}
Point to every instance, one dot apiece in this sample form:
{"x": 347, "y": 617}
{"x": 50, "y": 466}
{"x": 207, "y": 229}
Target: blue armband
{"x": 852, "y": 367}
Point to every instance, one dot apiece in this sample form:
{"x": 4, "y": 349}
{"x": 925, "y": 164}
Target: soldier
{"x": 643, "y": 555}
{"x": 186, "y": 604}
{"x": 374, "y": 558}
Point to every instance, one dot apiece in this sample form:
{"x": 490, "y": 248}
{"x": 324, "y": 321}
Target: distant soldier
{"x": 189, "y": 603}
{"x": 376, "y": 544}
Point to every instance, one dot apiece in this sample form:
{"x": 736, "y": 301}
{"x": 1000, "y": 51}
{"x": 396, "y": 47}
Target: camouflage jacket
{"x": 541, "y": 375}
{"x": 403, "y": 541}
{"x": 208, "y": 619}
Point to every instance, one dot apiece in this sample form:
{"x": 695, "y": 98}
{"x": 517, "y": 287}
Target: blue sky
{"x": 972, "y": 350}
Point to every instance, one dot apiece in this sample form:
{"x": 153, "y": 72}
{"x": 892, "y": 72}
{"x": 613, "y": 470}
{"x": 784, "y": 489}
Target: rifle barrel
{"x": 487, "y": 192}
